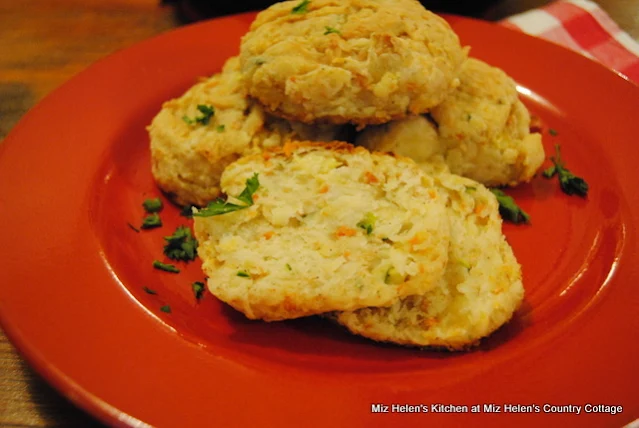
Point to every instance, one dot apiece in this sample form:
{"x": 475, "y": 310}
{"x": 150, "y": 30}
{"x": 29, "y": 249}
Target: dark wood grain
{"x": 46, "y": 42}
{"x": 43, "y": 44}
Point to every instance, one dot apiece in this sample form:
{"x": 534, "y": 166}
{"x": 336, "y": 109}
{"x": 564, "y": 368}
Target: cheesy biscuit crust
{"x": 357, "y": 61}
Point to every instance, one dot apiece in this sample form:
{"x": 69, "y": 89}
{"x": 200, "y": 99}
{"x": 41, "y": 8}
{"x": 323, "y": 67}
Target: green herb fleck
{"x": 151, "y": 221}
{"x": 509, "y": 209}
{"x": 149, "y": 291}
{"x": 165, "y": 267}
{"x": 549, "y": 172}
{"x": 331, "y": 30}
{"x": 166, "y": 308}
{"x": 289, "y": 267}
{"x": 251, "y": 186}
{"x": 367, "y": 223}
{"x": 259, "y": 61}
{"x": 393, "y": 276}
{"x": 153, "y": 205}
{"x": 220, "y": 128}
{"x": 243, "y": 274}
{"x": 553, "y": 132}
{"x": 187, "y": 211}
{"x": 135, "y": 229}
{"x": 207, "y": 114}
{"x": 470, "y": 189}
{"x": 220, "y": 206}
{"x": 181, "y": 245}
{"x": 468, "y": 117}
{"x": 464, "y": 263}
{"x": 198, "y": 289}
{"x": 301, "y": 8}
{"x": 570, "y": 184}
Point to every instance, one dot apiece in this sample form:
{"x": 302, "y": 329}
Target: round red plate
{"x": 74, "y": 171}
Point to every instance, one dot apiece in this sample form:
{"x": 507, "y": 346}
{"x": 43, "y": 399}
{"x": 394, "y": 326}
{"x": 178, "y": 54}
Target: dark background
{"x": 193, "y": 10}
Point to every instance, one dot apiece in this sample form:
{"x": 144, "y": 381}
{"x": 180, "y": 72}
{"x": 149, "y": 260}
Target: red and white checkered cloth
{"x": 581, "y": 25}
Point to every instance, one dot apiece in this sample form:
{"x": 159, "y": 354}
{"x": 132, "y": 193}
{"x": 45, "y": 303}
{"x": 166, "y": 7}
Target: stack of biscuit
{"x": 395, "y": 238}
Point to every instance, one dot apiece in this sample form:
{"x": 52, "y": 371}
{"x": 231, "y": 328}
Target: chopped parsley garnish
{"x": 207, "y": 114}
{"x": 220, "y": 206}
{"x": 153, "y": 205}
{"x": 165, "y": 267}
{"x": 151, "y": 221}
{"x": 393, "y": 276}
{"x": 301, "y": 8}
{"x": 509, "y": 209}
{"x": 289, "y": 267}
{"x": 198, "y": 289}
{"x": 135, "y": 229}
{"x": 187, "y": 211}
{"x": 243, "y": 274}
{"x": 220, "y": 128}
{"x": 464, "y": 263}
{"x": 569, "y": 182}
{"x": 331, "y": 30}
{"x": 181, "y": 245}
{"x": 470, "y": 189}
{"x": 552, "y": 132}
{"x": 367, "y": 223}
{"x": 251, "y": 186}
{"x": 149, "y": 291}
{"x": 166, "y": 308}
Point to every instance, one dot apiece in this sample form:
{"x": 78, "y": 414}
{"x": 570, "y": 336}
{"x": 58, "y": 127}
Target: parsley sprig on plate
{"x": 220, "y": 206}
{"x": 151, "y": 221}
{"x": 509, "y": 209}
{"x": 181, "y": 245}
{"x": 570, "y": 183}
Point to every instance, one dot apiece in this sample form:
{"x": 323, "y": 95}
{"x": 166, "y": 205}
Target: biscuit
{"x": 479, "y": 292}
{"x": 357, "y": 61}
{"x": 188, "y": 158}
{"x": 333, "y": 227}
{"x": 485, "y": 128}
{"x": 481, "y": 131}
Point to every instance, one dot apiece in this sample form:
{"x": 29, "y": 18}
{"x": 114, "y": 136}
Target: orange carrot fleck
{"x": 429, "y": 322}
{"x": 370, "y": 177}
{"x": 417, "y": 239}
{"x": 345, "y": 231}
{"x": 288, "y": 148}
{"x": 269, "y": 234}
{"x": 324, "y": 188}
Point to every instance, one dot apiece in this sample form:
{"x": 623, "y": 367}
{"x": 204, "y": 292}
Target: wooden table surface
{"x": 43, "y": 43}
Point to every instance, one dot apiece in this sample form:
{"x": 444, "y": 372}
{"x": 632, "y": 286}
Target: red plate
{"x": 74, "y": 171}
